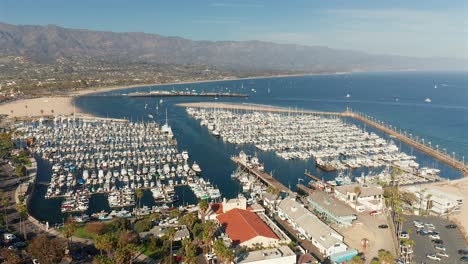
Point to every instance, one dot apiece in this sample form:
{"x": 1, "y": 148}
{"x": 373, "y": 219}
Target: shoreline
{"x": 65, "y": 105}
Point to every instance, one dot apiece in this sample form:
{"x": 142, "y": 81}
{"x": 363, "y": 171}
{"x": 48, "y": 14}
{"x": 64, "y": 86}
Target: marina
{"x": 418, "y": 143}
{"x": 330, "y": 141}
{"x": 118, "y": 159}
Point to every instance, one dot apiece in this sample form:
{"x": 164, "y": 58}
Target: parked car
{"x": 463, "y": 251}
{"x": 422, "y": 232}
{"x": 8, "y": 236}
{"x": 35, "y": 261}
{"x": 374, "y": 213}
{"x": 442, "y": 254}
{"x": 451, "y": 226}
{"x": 429, "y": 225}
{"x": 384, "y": 226}
{"x": 464, "y": 259}
{"x": 433, "y": 257}
{"x": 404, "y": 234}
{"x": 434, "y": 236}
{"x": 438, "y": 247}
{"x": 437, "y": 241}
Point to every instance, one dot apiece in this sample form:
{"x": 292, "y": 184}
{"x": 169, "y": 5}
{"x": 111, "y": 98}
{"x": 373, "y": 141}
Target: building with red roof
{"x": 246, "y": 228}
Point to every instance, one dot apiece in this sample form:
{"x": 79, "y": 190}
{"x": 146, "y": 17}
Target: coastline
{"x": 64, "y": 104}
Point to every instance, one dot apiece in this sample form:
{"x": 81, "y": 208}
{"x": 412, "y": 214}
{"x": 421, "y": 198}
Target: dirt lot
{"x": 366, "y": 226}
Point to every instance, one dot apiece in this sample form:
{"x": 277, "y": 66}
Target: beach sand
{"x": 63, "y": 105}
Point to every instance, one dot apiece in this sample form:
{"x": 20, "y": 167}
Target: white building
{"x": 282, "y": 255}
{"x": 370, "y": 197}
{"x": 326, "y": 239}
{"x": 436, "y": 201}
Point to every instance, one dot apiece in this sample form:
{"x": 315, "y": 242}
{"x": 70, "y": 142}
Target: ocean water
{"x": 395, "y": 98}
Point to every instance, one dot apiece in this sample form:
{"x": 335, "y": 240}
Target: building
{"x": 435, "y": 201}
{"x": 334, "y": 210}
{"x": 369, "y": 197}
{"x": 282, "y": 255}
{"x": 245, "y": 228}
{"x": 323, "y": 237}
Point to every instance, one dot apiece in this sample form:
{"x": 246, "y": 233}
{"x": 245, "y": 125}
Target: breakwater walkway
{"x": 441, "y": 156}
{"x": 444, "y": 157}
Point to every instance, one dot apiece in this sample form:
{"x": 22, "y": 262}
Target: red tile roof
{"x": 242, "y": 225}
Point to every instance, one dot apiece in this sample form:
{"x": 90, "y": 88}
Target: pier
{"x": 265, "y": 177}
{"x": 194, "y": 94}
{"x": 443, "y": 157}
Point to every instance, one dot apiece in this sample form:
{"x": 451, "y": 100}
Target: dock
{"x": 444, "y": 157}
{"x": 265, "y": 177}
{"x": 441, "y": 156}
{"x": 174, "y": 94}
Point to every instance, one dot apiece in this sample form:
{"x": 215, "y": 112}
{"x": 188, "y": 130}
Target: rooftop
{"x": 265, "y": 254}
{"x": 366, "y": 189}
{"x": 332, "y": 204}
{"x": 243, "y": 225}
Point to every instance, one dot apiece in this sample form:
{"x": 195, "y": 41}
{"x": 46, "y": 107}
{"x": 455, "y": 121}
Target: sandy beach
{"x": 63, "y": 105}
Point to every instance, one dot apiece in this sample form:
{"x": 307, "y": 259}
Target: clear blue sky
{"x": 409, "y": 27}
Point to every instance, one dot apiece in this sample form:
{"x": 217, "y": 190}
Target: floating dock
{"x": 265, "y": 177}
{"x": 443, "y": 157}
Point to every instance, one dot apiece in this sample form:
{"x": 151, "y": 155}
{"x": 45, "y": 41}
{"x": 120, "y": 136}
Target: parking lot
{"x": 452, "y": 240}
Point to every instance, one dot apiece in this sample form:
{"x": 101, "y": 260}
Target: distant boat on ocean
{"x": 348, "y": 95}
{"x": 428, "y": 100}
{"x": 150, "y": 116}
{"x": 435, "y": 86}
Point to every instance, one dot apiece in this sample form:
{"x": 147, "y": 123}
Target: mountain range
{"x": 46, "y": 44}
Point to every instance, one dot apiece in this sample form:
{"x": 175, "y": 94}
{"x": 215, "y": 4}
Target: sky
{"x": 422, "y": 28}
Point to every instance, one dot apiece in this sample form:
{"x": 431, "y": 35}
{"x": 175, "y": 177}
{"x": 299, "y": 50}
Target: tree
{"x": 143, "y": 225}
{"x": 102, "y": 259}
{"x": 175, "y": 213}
{"x": 125, "y": 253}
{"x": 356, "y": 260}
{"x": 189, "y": 220}
{"x": 222, "y": 251}
{"x": 69, "y": 230}
{"x": 23, "y": 212}
{"x": 5, "y": 202}
{"x": 106, "y": 242}
{"x": 385, "y": 257}
{"x": 139, "y": 195}
{"x": 120, "y": 224}
{"x": 209, "y": 228}
{"x": 171, "y": 231}
{"x": 428, "y": 203}
{"x": 190, "y": 251}
{"x": 42, "y": 112}
{"x": 46, "y": 250}
{"x": 203, "y": 206}
{"x": 10, "y": 257}
{"x": 357, "y": 192}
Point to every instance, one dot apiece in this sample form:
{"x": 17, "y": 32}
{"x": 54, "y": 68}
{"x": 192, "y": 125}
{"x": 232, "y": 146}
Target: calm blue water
{"x": 395, "y": 98}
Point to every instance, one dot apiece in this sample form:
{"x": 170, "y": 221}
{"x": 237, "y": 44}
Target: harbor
{"x": 425, "y": 147}
{"x": 328, "y": 141}
{"x": 113, "y": 158}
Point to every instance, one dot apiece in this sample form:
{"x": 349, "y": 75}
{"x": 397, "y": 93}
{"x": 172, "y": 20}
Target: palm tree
{"x": 208, "y": 231}
{"x": 139, "y": 194}
{"x": 23, "y": 212}
{"x": 190, "y": 252}
{"x": 385, "y": 257}
{"x": 428, "y": 203}
{"x": 357, "y": 192}
{"x": 203, "y": 206}
{"x": 171, "y": 231}
{"x": 69, "y": 230}
{"x": 5, "y": 202}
